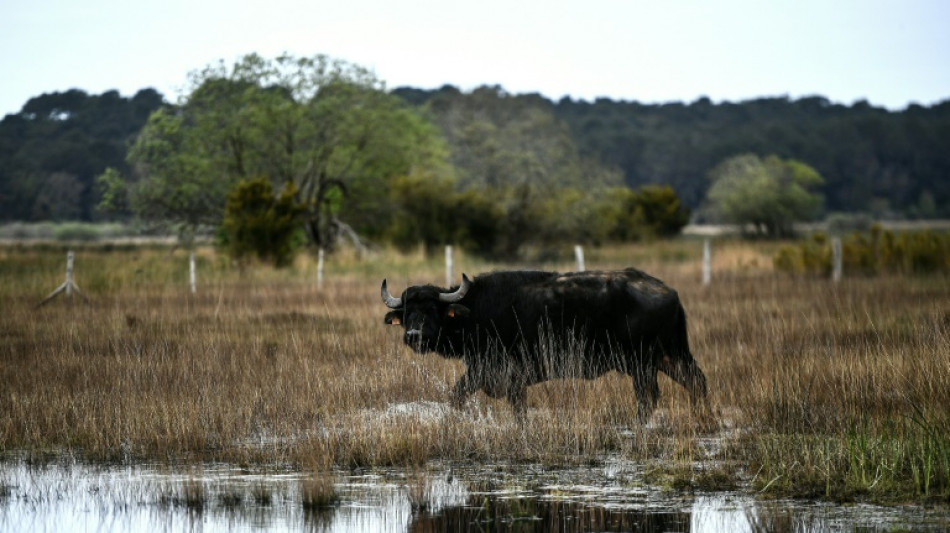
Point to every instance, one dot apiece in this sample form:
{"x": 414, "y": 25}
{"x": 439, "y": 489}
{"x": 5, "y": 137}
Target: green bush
{"x": 789, "y": 259}
{"x": 76, "y": 231}
{"x": 501, "y": 222}
{"x": 434, "y": 214}
{"x": 876, "y": 252}
{"x": 256, "y": 222}
{"x": 652, "y": 211}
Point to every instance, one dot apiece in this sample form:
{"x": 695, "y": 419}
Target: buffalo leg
{"x": 688, "y": 374}
{"x": 647, "y": 390}
{"x": 517, "y": 396}
{"x": 464, "y": 388}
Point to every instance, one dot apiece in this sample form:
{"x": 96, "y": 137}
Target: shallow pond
{"x": 71, "y": 497}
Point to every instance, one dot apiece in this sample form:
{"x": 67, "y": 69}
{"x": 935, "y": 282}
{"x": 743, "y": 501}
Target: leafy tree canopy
{"x": 325, "y": 126}
{"x": 769, "y": 194}
{"x": 514, "y": 150}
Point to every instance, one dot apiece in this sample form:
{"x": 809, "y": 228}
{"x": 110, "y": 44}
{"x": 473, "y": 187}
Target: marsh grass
{"x": 318, "y": 492}
{"x": 189, "y": 494}
{"x": 830, "y": 390}
{"x": 419, "y": 491}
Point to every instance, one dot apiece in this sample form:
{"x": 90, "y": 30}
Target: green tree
{"x": 767, "y": 194}
{"x": 114, "y": 194}
{"x": 514, "y": 150}
{"x": 59, "y": 199}
{"x": 325, "y": 126}
{"x": 176, "y": 184}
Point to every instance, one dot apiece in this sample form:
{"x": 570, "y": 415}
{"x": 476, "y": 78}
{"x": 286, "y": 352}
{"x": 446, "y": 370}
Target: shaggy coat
{"x": 514, "y": 329}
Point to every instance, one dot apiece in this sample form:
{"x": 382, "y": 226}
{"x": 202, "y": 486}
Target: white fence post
{"x": 836, "y": 259}
{"x": 707, "y": 262}
{"x": 449, "y": 266}
{"x": 579, "y": 256}
{"x": 320, "y": 260}
{"x": 69, "y": 273}
{"x": 192, "y": 273}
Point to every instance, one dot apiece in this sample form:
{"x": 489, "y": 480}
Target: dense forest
{"x": 885, "y": 163}
{"x": 53, "y": 149}
{"x": 889, "y": 164}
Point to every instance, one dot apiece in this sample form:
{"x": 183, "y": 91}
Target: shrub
{"x": 877, "y": 252}
{"x": 643, "y": 214}
{"x": 76, "y": 231}
{"x": 256, "y": 222}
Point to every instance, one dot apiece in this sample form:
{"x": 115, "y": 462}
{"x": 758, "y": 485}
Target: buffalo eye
{"x": 456, "y": 310}
{"x": 394, "y": 318}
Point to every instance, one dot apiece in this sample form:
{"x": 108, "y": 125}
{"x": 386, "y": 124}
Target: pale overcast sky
{"x": 889, "y": 52}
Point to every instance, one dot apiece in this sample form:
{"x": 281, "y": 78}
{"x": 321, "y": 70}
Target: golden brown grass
{"x": 834, "y": 390}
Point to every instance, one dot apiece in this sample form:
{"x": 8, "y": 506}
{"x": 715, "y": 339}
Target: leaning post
{"x": 69, "y": 285}
{"x": 579, "y": 256}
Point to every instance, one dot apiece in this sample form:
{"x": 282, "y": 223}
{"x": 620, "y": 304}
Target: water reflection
{"x": 529, "y": 514}
{"x": 220, "y": 498}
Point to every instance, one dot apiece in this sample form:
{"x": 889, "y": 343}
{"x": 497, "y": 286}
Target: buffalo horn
{"x": 452, "y": 297}
{"x": 391, "y": 301}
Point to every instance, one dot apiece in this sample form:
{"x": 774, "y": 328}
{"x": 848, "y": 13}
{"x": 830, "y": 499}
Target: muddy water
{"x": 71, "y": 497}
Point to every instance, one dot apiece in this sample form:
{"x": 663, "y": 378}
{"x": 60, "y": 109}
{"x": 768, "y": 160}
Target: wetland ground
{"x": 828, "y": 392}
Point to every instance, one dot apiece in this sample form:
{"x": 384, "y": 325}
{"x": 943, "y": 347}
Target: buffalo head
{"x": 429, "y": 315}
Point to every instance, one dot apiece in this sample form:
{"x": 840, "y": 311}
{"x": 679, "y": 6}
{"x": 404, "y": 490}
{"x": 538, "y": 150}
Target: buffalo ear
{"x": 394, "y": 318}
{"x": 455, "y": 310}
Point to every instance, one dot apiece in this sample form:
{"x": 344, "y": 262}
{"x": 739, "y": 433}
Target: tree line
{"x": 53, "y": 149}
{"x": 323, "y": 142}
{"x": 876, "y": 161}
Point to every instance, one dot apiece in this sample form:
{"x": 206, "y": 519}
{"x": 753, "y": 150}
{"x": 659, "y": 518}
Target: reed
{"x": 832, "y": 390}
{"x": 189, "y": 494}
{"x": 318, "y": 492}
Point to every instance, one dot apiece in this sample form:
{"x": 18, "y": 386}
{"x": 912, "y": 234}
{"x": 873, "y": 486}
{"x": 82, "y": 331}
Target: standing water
{"x": 70, "y": 497}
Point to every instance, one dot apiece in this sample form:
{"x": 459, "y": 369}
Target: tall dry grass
{"x": 835, "y": 390}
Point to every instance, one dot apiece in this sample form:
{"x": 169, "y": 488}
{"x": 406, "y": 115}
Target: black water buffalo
{"x": 515, "y": 329}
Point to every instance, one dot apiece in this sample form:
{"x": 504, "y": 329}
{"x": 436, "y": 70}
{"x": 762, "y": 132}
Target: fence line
{"x": 69, "y": 285}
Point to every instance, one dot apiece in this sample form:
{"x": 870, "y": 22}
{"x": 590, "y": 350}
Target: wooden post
{"x": 449, "y": 266}
{"x": 192, "y": 273}
{"x": 69, "y": 285}
{"x": 836, "y": 259}
{"x": 579, "y": 256}
{"x": 320, "y": 259}
{"x": 707, "y": 262}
